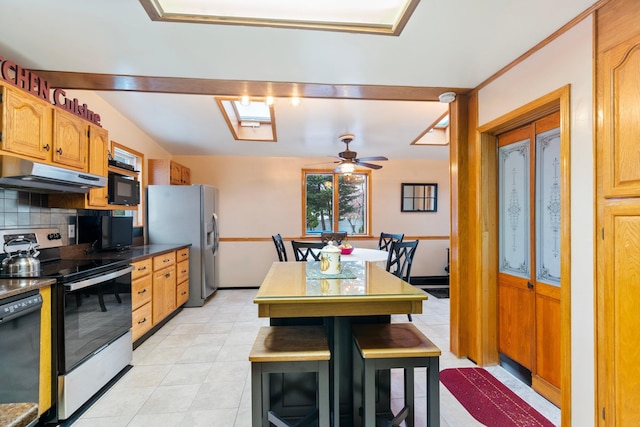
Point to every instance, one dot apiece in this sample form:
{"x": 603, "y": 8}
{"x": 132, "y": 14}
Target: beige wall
{"x": 567, "y": 60}
{"x": 260, "y": 197}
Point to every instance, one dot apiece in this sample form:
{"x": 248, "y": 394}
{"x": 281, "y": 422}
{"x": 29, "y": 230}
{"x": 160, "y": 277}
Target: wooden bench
{"x": 283, "y": 349}
{"x": 388, "y": 346}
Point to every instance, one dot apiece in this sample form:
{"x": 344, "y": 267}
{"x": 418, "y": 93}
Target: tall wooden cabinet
{"x": 618, "y": 213}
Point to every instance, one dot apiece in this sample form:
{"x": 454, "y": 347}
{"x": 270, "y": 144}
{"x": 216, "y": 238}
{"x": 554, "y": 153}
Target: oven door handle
{"x": 98, "y": 279}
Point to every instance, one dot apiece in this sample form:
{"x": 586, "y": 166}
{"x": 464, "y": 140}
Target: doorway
{"x": 528, "y": 280}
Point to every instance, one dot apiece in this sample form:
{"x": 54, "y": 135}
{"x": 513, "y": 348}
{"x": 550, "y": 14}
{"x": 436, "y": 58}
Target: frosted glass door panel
{"x": 548, "y": 207}
{"x": 514, "y": 209}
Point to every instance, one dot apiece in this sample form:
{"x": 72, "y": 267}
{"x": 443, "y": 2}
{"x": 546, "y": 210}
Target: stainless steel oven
{"x": 94, "y": 339}
{"x": 91, "y": 315}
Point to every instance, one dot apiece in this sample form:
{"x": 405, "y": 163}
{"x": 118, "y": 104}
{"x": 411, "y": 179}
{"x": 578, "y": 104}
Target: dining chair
{"x": 307, "y": 251}
{"x": 400, "y": 260}
{"x": 386, "y": 239}
{"x": 336, "y": 238}
{"x": 282, "y": 251}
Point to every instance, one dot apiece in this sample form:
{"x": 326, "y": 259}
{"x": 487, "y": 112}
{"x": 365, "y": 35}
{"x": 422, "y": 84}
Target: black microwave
{"x": 123, "y": 190}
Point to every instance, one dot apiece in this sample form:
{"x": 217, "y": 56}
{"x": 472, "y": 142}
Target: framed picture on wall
{"x": 419, "y": 197}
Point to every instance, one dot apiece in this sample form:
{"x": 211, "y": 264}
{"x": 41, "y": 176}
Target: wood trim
{"x": 218, "y": 87}
{"x": 45, "y": 389}
{"x": 313, "y": 238}
{"x": 565, "y": 257}
{"x": 143, "y": 184}
{"x": 429, "y": 128}
{"x": 462, "y": 124}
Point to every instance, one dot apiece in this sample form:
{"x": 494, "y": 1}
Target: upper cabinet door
{"x": 98, "y": 163}
{"x": 70, "y": 140}
{"x": 26, "y": 125}
{"x": 621, "y": 116}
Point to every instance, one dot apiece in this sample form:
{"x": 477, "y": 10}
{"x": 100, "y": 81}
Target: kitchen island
{"x": 366, "y": 293}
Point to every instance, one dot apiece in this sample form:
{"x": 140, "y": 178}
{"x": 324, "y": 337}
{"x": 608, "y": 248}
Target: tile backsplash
{"x": 20, "y": 209}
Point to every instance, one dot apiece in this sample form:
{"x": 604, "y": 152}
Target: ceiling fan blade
{"x": 368, "y": 165}
{"x": 378, "y": 158}
{"x": 323, "y": 163}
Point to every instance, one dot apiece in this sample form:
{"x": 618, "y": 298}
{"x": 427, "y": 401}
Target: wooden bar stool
{"x": 387, "y": 346}
{"x": 284, "y": 349}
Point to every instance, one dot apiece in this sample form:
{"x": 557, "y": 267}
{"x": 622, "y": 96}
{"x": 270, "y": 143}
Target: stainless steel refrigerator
{"x": 178, "y": 214}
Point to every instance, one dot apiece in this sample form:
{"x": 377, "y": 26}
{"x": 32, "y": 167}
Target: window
{"x": 130, "y": 157}
{"x": 336, "y": 202}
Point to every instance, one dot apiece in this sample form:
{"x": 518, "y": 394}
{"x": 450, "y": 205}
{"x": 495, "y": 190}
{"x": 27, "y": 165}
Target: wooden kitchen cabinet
{"x": 70, "y": 135}
{"x": 164, "y": 286}
{"x": 182, "y": 276}
{"x": 26, "y": 125}
{"x": 141, "y": 297}
{"x": 168, "y": 172}
{"x": 159, "y": 285}
{"x": 96, "y": 198}
{"x": 98, "y": 164}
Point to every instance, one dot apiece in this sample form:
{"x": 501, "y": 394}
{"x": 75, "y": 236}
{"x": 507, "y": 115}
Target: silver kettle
{"x": 22, "y": 263}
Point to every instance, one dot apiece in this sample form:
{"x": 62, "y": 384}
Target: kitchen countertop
{"x": 11, "y": 287}
{"x": 16, "y": 286}
{"x": 17, "y": 414}
{"x": 137, "y": 253}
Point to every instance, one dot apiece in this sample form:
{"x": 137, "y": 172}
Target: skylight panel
{"x": 379, "y": 16}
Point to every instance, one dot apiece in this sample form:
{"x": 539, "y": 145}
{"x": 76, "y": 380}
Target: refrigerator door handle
{"x": 216, "y": 235}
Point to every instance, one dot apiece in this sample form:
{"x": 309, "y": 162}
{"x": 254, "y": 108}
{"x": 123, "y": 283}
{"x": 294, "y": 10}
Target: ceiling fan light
{"x": 347, "y": 168}
{"x": 245, "y": 100}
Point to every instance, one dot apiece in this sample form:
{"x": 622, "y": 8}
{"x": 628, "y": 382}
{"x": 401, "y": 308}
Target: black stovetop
{"x": 73, "y": 269}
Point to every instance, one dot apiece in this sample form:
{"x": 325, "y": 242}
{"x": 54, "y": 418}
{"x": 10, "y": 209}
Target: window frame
{"x": 138, "y": 218}
{"x": 335, "y": 202}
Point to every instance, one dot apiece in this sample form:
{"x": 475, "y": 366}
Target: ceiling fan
{"x": 348, "y": 159}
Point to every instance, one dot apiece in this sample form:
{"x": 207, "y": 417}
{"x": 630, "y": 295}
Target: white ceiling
{"x": 445, "y": 44}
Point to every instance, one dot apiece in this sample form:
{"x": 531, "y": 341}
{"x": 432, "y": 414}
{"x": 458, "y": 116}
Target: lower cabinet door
{"x": 182, "y": 293}
{"x": 141, "y": 321}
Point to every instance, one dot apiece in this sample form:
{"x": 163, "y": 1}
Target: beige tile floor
{"x": 194, "y": 371}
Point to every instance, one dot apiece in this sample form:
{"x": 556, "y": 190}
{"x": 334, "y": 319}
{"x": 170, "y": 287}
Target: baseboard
{"x": 430, "y": 281}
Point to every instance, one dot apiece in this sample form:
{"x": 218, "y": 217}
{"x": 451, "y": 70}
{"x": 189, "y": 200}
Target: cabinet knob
{"x": 59, "y": 151}
{"x": 46, "y": 147}
{"x": 183, "y": 293}
{"x": 142, "y": 268}
{"x": 167, "y": 275}
{"x": 142, "y": 321}
{"x": 142, "y": 292}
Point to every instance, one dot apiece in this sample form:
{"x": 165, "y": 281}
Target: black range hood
{"x": 26, "y": 175}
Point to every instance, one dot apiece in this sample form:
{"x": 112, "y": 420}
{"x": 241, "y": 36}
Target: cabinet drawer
{"x": 141, "y": 321}
{"x": 182, "y": 272}
{"x": 141, "y": 268}
{"x": 164, "y": 260}
{"x": 182, "y": 254}
{"x": 141, "y": 291}
{"x": 182, "y": 293}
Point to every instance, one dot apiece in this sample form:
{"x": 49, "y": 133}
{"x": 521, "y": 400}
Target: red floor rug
{"x": 489, "y": 401}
